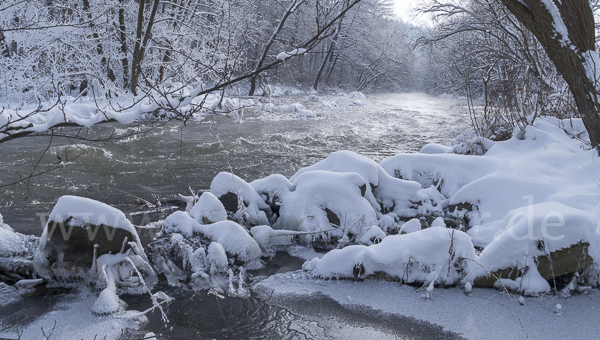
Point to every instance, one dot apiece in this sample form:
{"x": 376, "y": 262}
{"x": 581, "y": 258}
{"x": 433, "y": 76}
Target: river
{"x": 145, "y": 172}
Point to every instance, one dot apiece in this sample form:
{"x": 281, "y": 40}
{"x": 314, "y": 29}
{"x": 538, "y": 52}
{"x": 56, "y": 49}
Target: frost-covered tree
{"x": 566, "y": 30}
{"x": 135, "y": 58}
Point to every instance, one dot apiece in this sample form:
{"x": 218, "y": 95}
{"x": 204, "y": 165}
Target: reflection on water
{"x": 198, "y": 315}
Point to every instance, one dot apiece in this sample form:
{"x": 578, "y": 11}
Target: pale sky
{"x": 403, "y": 9}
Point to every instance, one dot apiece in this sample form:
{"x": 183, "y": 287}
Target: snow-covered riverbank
{"x": 484, "y": 314}
{"x": 523, "y": 218}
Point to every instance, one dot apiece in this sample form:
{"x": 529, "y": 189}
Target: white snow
{"x": 283, "y": 56}
{"x": 433, "y": 255}
{"x": 230, "y": 235}
{"x": 303, "y": 209}
{"x": 13, "y": 243}
{"x": 267, "y": 237}
{"x": 529, "y": 232}
{"x": 108, "y": 302}
{"x": 435, "y": 148}
{"x": 252, "y": 206}
{"x": 8, "y": 294}
{"x": 217, "y": 258}
{"x": 392, "y": 192}
{"x": 410, "y": 226}
{"x": 372, "y": 235}
{"x": 547, "y": 165}
{"x": 81, "y": 211}
{"x": 484, "y": 314}
{"x": 208, "y": 207}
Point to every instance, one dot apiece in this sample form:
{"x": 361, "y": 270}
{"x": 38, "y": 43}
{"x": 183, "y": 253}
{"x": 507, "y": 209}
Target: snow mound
{"x": 385, "y": 193}
{"x": 433, "y": 255}
{"x": 239, "y": 198}
{"x": 510, "y": 175}
{"x": 326, "y": 200}
{"x": 108, "y": 302}
{"x": 373, "y": 235}
{"x": 208, "y": 209}
{"x": 434, "y": 148}
{"x": 411, "y": 226}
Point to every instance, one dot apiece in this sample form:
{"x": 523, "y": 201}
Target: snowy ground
{"x": 485, "y": 314}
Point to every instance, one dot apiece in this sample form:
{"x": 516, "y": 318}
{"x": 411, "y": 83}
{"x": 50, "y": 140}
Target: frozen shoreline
{"x": 486, "y": 313}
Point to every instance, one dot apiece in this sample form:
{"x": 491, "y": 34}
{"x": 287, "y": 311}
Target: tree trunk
{"x": 140, "y": 46}
{"x": 295, "y": 4}
{"x": 328, "y": 56}
{"x": 123, "y": 41}
{"x": 566, "y": 31}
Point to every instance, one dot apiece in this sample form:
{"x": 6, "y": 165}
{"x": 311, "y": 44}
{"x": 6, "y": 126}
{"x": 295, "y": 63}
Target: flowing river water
{"x": 145, "y": 172}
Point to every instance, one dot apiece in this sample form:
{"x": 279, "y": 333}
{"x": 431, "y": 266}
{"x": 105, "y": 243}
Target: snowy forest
{"x": 299, "y": 169}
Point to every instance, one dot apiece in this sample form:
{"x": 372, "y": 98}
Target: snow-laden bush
{"x": 13, "y": 244}
{"x": 187, "y": 250}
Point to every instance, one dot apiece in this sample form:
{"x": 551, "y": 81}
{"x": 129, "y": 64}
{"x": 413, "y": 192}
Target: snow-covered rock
{"x": 372, "y": 235}
{"x": 511, "y": 174}
{"x": 387, "y": 223}
{"x": 430, "y": 256}
{"x": 411, "y": 226}
{"x": 208, "y": 209}
{"x": 240, "y": 199}
{"x": 537, "y": 243}
{"x": 385, "y": 193}
{"x": 327, "y": 201}
{"x": 233, "y": 238}
{"x": 80, "y": 230}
